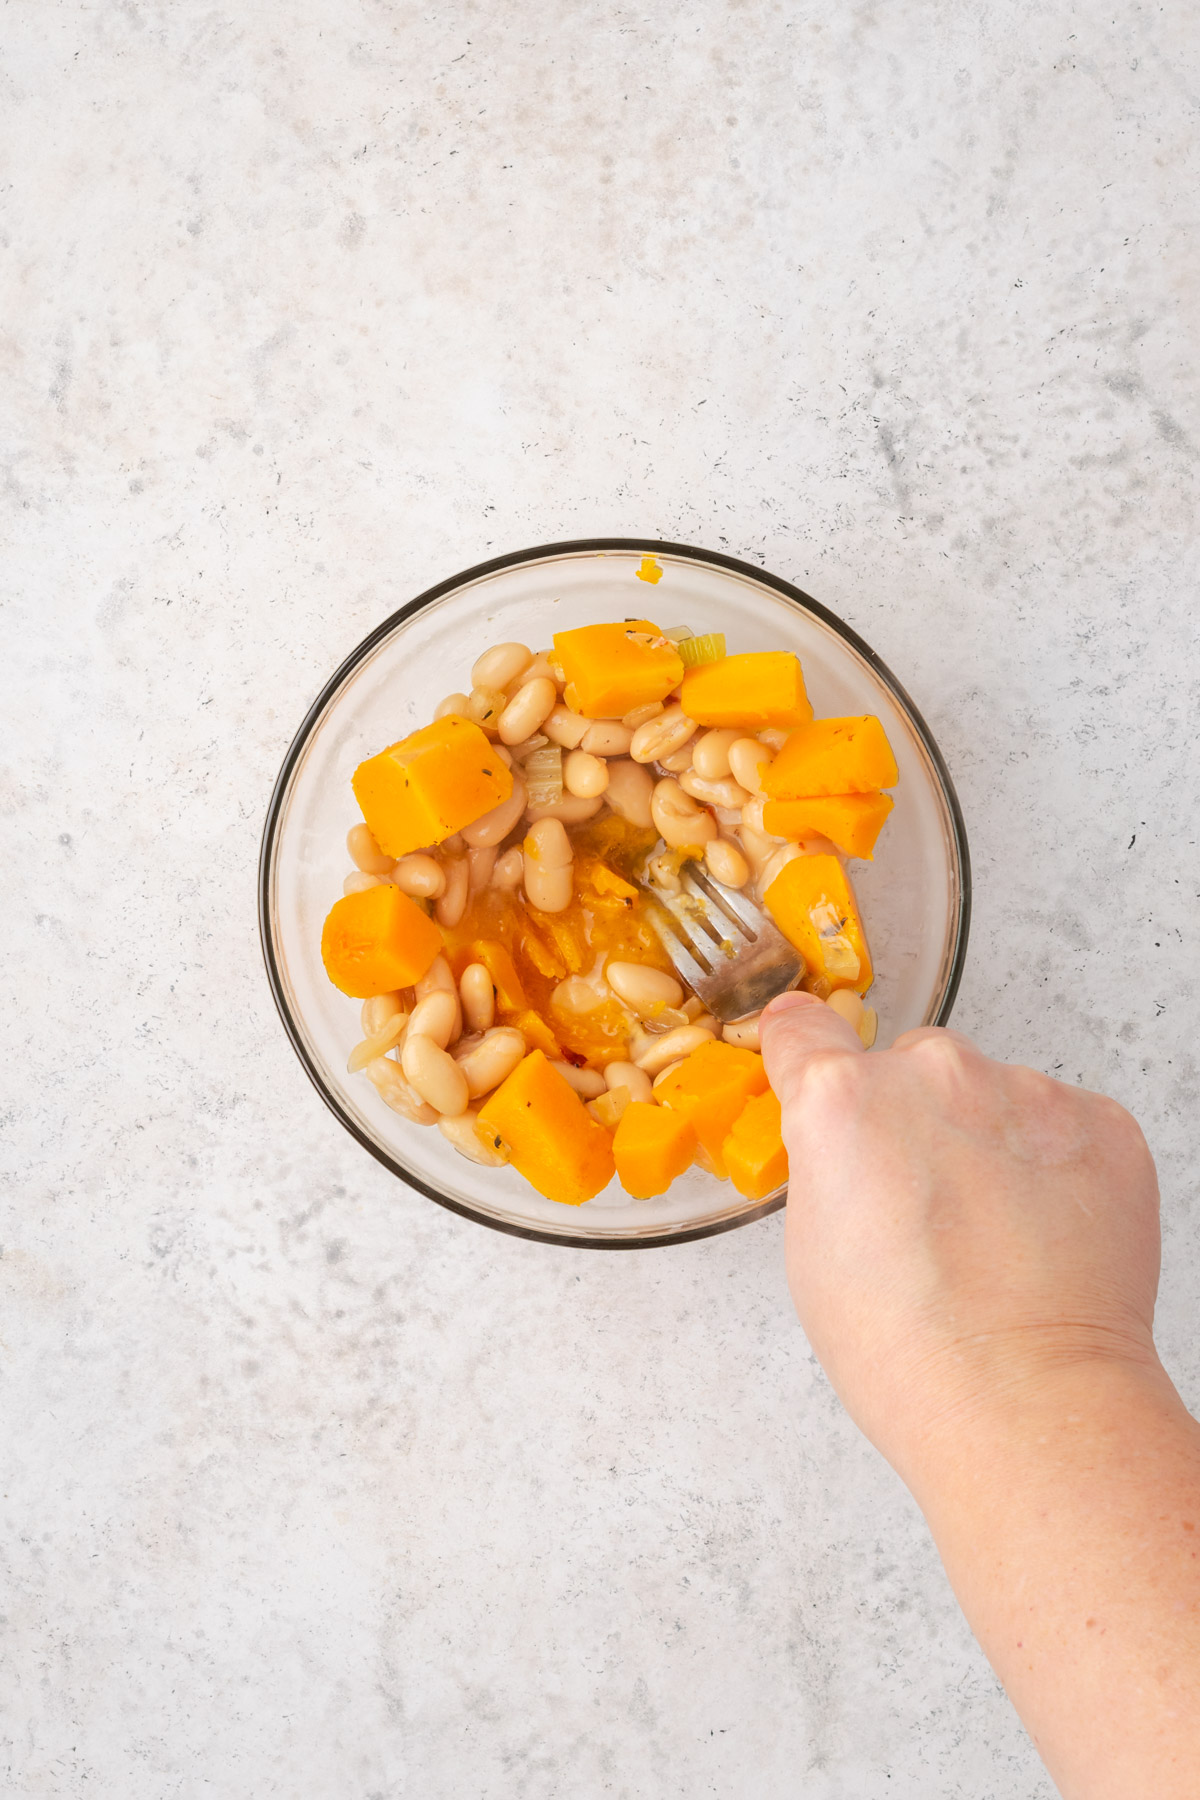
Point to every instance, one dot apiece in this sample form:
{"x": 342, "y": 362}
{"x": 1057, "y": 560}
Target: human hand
{"x": 973, "y": 1250}
{"x": 958, "y": 1230}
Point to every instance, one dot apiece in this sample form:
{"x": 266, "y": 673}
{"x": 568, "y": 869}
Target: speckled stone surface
{"x": 310, "y": 1489}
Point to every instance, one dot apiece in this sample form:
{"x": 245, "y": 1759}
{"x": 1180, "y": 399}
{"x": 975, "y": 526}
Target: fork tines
{"x": 724, "y": 947}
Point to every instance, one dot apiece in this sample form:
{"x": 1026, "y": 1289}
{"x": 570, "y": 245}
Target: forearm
{"x": 1070, "y": 1529}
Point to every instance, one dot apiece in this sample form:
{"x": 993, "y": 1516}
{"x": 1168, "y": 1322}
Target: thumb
{"x": 795, "y": 1030}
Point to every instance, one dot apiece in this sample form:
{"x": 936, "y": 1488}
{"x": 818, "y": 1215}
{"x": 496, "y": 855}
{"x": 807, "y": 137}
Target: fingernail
{"x": 788, "y": 1002}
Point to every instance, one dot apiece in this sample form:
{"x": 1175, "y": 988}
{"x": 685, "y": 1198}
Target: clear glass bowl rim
{"x": 584, "y": 546}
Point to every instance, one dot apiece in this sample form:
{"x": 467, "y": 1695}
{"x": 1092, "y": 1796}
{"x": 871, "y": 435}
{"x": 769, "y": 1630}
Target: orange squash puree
{"x": 606, "y": 919}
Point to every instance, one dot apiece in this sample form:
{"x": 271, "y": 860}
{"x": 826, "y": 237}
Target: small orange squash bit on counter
{"x": 429, "y": 785}
{"x": 376, "y": 941}
{"x": 551, "y": 1138}
{"x": 611, "y": 670}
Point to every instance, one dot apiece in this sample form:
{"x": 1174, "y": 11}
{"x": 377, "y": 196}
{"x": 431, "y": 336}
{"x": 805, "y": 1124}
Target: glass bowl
{"x": 915, "y": 896}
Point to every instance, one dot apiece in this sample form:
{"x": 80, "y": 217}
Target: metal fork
{"x": 731, "y": 955}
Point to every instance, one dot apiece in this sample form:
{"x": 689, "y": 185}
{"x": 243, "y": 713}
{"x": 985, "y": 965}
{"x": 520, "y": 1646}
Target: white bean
{"x": 453, "y": 703}
{"x": 752, "y": 816}
{"x": 587, "y": 1083}
{"x": 672, "y": 1045}
{"x": 640, "y": 714}
{"x": 454, "y": 845}
{"x": 849, "y": 1004}
{"x": 727, "y": 793}
{"x": 680, "y": 822}
{"x": 500, "y": 666}
{"x": 436, "y": 1017}
{"x": 365, "y": 852}
{"x": 525, "y": 712}
{"x": 628, "y": 1075}
{"x": 480, "y": 863}
{"x": 478, "y": 997}
{"x": 549, "y": 890}
{"x": 608, "y": 737}
{"x": 549, "y": 866}
{"x": 570, "y": 810}
{"x": 509, "y": 870}
{"x": 436, "y": 979}
{"x": 504, "y": 753}
{"x": 744, "y": 1032}
{"x": 562, "y": 726}
{"x": 725, "y": 864}
{"x": 630, "y": 786}
{"x": 420, "y": 876}
{"x": 377, "y": 1011}
{"x": 759, "y": 848}
{"x": 774, "y": 739}
{"x": 868, "y": 1027}
{"x": 358, "y": 882}
{"x": 388, "y": 1082}
{"x": 484, "y": 706}
{"x": 747, "y": 759}
{"x": 434, "y": 1074}
{"x": 452, "y": 903}
{"x": 646, "y": 990}
{"x": 710, "y": 757}
{"x": 463, "y": 1133}
{"x": 492, "y": 827}
{"x": 585, "y": 775}
{"x": 661, "y": 736}
{"x": 539, "y": 670}
{"x": 679, "y": 761}
{"x": 492, "y": 1060}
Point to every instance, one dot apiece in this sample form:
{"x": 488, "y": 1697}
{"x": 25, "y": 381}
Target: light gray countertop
{"x": 310, "y": 1488}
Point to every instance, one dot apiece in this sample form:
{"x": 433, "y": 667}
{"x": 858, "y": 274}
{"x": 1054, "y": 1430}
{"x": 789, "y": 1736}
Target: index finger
{"x": 796, "y": 1030}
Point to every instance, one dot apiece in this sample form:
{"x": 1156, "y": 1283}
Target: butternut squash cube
{"x": 813, "y": 904}
{"x": 758, "y": 690}
{"x": 709, "y": 1089}
{"x": 652, "y": 1146}
{"x": 611, "y": 669}
{"x": 754, "y": 1151}
{"x": 851, "y": 821}
{"x": 551, "y": 1138}
{"x": 429, "y": 785}
{"x": 376, "y": 941}
{"x": 832, "y": 756}
{"x": 536, "y": 1032}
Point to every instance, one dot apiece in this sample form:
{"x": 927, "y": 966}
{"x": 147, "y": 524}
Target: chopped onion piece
{"x": 677, "y": 633}
{"x": 543, "y": 776}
